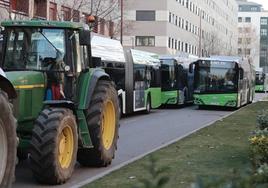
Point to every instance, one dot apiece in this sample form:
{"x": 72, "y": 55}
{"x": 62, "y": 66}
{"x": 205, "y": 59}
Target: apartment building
{"x": 197, "y": 27}
{"x": 253, "y": 33}
{"x": 67, "y": 10}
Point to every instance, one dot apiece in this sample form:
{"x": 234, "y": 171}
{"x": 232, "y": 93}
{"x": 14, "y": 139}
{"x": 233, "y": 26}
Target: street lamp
{"x": 91, "y": 7}
{"x": 121, "y": 30}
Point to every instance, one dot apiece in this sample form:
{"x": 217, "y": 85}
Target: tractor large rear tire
{"x": 103, "y": 123}
{"x": 54, "y": 146}
{"x": 8, "y": 142}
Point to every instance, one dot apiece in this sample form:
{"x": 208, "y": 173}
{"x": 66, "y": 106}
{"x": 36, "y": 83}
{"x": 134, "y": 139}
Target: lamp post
{"x": 121, "y": 26}
{"x": 91, "y": 7}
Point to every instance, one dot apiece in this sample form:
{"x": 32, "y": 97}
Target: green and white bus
{"x": 223, "y": 81}
{"x": 261, "y": 81}
{"x": 177, "y": 81}
{"x": 135, "y": 73}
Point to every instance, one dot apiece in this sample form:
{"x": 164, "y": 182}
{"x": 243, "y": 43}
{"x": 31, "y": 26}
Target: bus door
{"x": 243, "y": 85}
{"x": 140, "y": 85}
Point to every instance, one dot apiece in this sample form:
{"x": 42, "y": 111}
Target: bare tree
{"x": 211, "y": 44}
{"x": 247, "y": 42}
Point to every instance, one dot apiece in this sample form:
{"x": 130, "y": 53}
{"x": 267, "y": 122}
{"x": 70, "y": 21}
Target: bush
{"x": 262, "y": 119}
{"x": 261, "y": 175}
{"x": 157, "y": 176}
{"x": 259, "y": 147}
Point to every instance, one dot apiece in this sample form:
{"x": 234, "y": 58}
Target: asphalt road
{"x": 139, "y": 135}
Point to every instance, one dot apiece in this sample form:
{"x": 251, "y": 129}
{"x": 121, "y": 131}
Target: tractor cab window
{"x": 34, "y": 49}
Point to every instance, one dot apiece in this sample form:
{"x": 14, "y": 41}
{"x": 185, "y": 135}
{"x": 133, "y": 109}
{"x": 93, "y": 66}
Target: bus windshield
{"x": 32, "y": 49}
{"x": 168, "y": 74}
{"x": 215, "y": 77}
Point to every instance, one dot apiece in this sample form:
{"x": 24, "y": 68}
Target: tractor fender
{"x": 7, "y": 87}
{"x": 61, "y": 104}
{"x": 97, "y": 75}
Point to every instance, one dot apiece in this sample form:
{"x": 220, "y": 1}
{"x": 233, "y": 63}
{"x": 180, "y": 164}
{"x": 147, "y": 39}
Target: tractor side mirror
{"x": 241, "y": 73}
{"x": 84, "y": 38}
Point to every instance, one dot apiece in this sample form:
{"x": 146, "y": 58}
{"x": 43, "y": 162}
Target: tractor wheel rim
{"x": 108, "y": 124}
{"x": 3, "y": 150}
{"x": 65, "y": 147}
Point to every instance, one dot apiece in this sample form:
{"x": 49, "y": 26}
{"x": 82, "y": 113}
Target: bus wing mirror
{"x": 84, "y": 38}
{"x": 191, "y": 68}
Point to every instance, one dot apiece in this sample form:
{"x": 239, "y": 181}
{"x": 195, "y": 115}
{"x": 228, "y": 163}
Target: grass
{"x": 212, "y": 151}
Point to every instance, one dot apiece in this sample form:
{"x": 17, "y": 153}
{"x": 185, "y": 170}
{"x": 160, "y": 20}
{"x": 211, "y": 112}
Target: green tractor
{"x": 66, "y": 110}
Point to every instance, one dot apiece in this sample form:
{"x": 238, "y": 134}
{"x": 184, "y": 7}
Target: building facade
{"x": 253, "y": 33}
{"x": 197, "y": 27}
{"x": 67, "y": 10}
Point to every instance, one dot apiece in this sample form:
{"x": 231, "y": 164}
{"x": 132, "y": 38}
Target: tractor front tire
{"x": 54, "y": 146}
{"x": 103, "y": 123}
{"x": 8, "y": 142}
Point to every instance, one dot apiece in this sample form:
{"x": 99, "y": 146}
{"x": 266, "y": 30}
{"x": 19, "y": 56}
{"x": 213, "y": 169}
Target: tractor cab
{"x": 50, "y": 49}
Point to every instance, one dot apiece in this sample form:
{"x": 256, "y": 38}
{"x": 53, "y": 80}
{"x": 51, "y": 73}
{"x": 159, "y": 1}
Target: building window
{"x": 263, "y": 53}
{"x": 145, "y": 15}
{"x": 239, "y": 19}
{"x": 263, "y": 32}
{"x": 95, "y": 27}
{"x": 66, "y": 13}
{"x": 111, "y": 28}
{"x": 264, "y": 21}
{"x": 248, "y": 51}
{"x": 248, "y": 40}
{"x": 40, "y": 8}
{"x": 76, "y": 16}
{"x": 239, "y": 40}
{"x": 248, "y": 19}
{"x": 20, "y": 6}
{"x": 239, "y": 51}
{"x": 146, "y": 41}
{"x": 52, "y": 11}
{"x": 254, "y": 9}
{"x": 247, "y": 29}
{"x": 102, "y": 26}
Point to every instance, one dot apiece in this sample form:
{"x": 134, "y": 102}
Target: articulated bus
{"x": 223, "y": 81}
{"x": 135, "y": 73}
{"x": 177, "y": 81}
{"x": 261, "y": 81}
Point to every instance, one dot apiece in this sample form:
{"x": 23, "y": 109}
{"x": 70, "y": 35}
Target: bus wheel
{"x": 148, "y": 105}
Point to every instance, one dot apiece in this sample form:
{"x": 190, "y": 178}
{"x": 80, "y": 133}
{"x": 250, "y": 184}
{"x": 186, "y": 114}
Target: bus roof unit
{"x": 107, "y": 49}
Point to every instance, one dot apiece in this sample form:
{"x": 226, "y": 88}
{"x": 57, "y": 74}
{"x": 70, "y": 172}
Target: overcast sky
{"x": 263, "y": 2}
